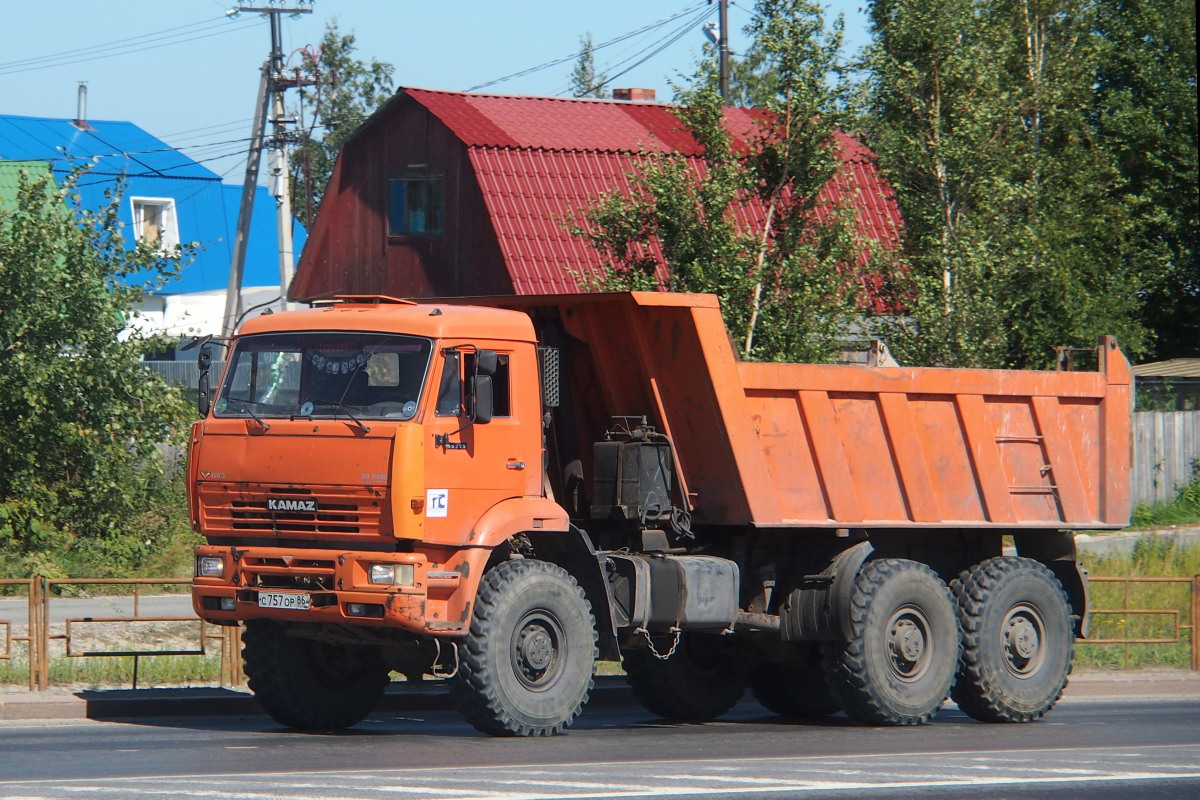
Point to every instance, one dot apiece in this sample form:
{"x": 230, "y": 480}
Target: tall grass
{"x": 1155, "y": 556}
{"x": 117, "y": 671}
{"x": 1183, "y": 510}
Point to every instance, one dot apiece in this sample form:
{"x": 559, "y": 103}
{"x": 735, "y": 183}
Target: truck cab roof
{"x": 385, "y": 315}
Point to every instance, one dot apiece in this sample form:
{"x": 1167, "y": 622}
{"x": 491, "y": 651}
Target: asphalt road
{"x": 1094, "y": 749}
{"x": 16, "y": 609}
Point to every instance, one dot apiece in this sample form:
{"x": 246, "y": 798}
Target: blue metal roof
{"x": 206, "y": 209}
{"x": 121, "y": 148}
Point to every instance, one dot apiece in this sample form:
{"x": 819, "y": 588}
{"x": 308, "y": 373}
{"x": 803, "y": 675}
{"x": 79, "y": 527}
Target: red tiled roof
{"x": 531, "y": 195}
{"x": 548, "y": 123}
{"x": 541, "y": 161}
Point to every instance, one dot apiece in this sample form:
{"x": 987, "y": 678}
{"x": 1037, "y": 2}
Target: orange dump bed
{"x": 802, "y": 445}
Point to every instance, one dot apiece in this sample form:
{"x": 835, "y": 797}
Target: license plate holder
{"x": 285, "y": 600}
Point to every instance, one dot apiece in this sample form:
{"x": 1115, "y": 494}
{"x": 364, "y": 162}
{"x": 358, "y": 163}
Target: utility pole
{"x": 233, "y": 292}
{"x": 722, "y": 43}
{"x": 270, "y": 96}
{"x": 723, "y": 48}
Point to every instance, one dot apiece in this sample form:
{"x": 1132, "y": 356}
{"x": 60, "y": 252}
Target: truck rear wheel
{"x": 1017, "y": 640}
{"x": 794, "y": 688}
{"x": 899, "y": 662}
{"x": 309, "y": 684}
{"x": 526, "y": 665}
{"x": 701, "y": 680}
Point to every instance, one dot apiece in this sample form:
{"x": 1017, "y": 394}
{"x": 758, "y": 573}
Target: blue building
{"x": 168, "y": 198}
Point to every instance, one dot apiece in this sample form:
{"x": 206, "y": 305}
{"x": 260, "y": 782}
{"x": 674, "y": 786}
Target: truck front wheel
{"x": 898, "y": 664}
{"x": 1017, "y": 640}
{"x": 308, "y": 684}
{"x": 703, "y": 678}
{"x": 526, "y": 665}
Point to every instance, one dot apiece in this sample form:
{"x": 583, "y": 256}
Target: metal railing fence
{"x": 76, "y": 636}
{"x": 1126, "y": 613}
{"x": 33, "y": 588}
{"x": 207, "y": 632}
{"x": 41, "y": 629}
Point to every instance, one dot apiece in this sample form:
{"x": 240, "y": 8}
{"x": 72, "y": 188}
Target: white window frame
{"x": 168, "y": 230}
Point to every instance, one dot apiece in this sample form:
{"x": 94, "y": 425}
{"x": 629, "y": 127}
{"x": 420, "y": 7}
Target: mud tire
{"x": 703, "y": 678}
{"x": 308, "y": 684}
{"x": 526, "y": 664}
{"x": 899, "y": 662}
{"x": 1017, "y": 640}
{"x": 795, "y": 689}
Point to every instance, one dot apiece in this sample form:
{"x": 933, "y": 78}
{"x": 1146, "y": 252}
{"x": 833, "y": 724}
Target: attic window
{"x": 154, "y": 221}
{"x": 415, "y": 206}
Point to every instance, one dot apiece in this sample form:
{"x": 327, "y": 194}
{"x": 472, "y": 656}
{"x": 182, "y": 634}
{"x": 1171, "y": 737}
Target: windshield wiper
{"x": 246, "y": 403}
{"x": 346, "y": 409}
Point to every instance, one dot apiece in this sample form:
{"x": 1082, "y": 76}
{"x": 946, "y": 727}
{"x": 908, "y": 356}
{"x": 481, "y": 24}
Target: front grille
{"x": 332, "y": 518}
{"x": 340, "y": 511}
{"x": 308, "y": 574}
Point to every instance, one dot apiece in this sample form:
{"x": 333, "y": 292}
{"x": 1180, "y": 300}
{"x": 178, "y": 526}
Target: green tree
{"x": 1147, "y": 117}
{"x": 754, "y": 81}
{"x": 347, "y": 91}
{"x": 81, "y": 481}
{"x": 788, "y": 281}
{"x": 1020, "y": 231}
{"x": 585, "y": 81}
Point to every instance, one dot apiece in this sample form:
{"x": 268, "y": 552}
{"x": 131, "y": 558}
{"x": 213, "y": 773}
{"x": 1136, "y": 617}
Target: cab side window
{"x": 500, "y": 389}
{"x": 449, "y": 402}
{"x": 450, "y": 392}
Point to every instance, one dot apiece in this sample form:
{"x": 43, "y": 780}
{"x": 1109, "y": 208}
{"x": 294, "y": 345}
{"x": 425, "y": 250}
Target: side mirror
{"x": 482, "y": 405}
{"x": 203, "y": 363}
{"x": 486, "y": 362}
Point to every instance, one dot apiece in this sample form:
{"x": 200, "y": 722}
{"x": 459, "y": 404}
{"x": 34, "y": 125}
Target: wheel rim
{"x": 1023, "y": 633}
{"x": 536, "y": 650}
{"x": 909, "y": 645}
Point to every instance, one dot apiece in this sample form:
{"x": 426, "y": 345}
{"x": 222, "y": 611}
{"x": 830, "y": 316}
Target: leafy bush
{"x": 1183, "y": 510}
{"x": 83, "y": 486}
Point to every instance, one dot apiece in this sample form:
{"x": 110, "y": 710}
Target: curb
{"x": 125, "y": 703}
{"x": 609, "y": 691}
{"x": 1095, "y": 685}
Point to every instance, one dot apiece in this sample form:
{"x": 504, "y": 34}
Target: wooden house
{"x": 453, "y": 194}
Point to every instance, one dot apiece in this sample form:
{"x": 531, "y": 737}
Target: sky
{"x": 188, "y": 74}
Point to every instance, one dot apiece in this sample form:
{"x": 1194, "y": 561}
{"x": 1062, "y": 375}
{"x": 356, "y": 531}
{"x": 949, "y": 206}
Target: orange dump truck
{"x": 504, "y": 490}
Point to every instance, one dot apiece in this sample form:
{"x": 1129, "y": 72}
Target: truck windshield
{"x": 322, "y": 374}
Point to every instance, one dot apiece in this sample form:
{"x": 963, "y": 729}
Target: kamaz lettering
{"x": 290, "y": 504}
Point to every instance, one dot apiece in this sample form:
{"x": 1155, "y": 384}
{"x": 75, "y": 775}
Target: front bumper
{"x": 337, "y": 588}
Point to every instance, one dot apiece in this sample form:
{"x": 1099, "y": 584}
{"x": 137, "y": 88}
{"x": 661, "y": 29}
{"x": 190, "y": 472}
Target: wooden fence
{"x": 1166, "y": 453}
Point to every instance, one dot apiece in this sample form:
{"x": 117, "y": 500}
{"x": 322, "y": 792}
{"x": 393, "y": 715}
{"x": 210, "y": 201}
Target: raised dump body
{"x": 504, "y": 489}
{"x": 838, "y": 446}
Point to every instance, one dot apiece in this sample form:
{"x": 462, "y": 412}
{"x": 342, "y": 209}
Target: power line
{"x": 682, "y": 31}
{"x": 87, "y": 50}
{"x": 572, "y": 56}
{"x": 218, "y": 127}
{"x": 221, "y": 28}
{"x": 90, "y": 156}
{"x": 106, "y": 177}
{"x": 661, "y": 44}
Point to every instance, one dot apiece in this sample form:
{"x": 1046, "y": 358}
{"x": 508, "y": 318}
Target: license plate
{"x": 283, "y": 600}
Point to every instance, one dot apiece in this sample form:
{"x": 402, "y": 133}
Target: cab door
{"x": 472, "y": 466}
